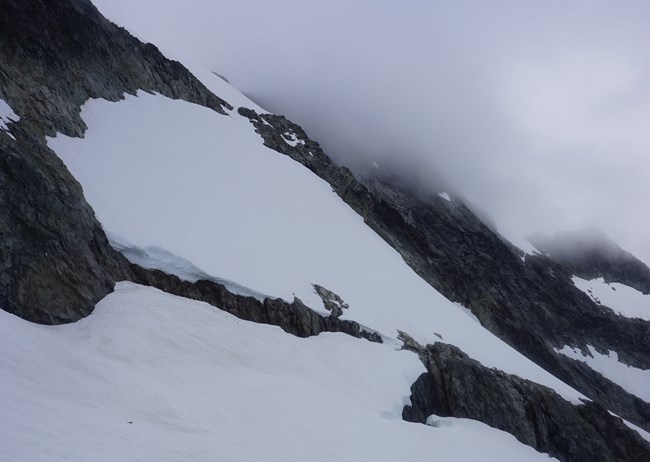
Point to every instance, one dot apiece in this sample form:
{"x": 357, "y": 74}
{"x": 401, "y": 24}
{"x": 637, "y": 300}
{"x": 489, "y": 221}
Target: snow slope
{"x": 150, "y": 376}
{"x": 623, "y": 299}
{"x": 200, "y": 185}
{"x": 628, "y": 302}
{"x": 632, "y": 379}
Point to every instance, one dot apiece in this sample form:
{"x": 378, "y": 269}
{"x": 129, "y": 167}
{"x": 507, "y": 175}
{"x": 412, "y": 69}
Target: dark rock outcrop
{"x": 333, "y": 302}
{"x": 591, "y": 254}
{"x": 295, "y": 317}
{"x": 456, "y": 385}
{"x": 532, "y": 305}
{"x": 56, "y": 55}
{"x": 55, "y": 261}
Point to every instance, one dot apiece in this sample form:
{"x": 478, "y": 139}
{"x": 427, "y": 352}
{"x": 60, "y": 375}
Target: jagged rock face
{"x": 55, "y": 261}
{"x": 591, "y": 255}
{"x": 294, "y": 318}
{"x": 56, "y": 55}
{"x": 332, "y": 302}
{"x": 532, "y": 305}
{"x": 456, "y": 385}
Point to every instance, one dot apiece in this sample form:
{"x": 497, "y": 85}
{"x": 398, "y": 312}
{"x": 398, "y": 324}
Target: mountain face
{"x": 532, "y": 303}
{"x": 592, "y": 255}
{"x": 266, "y": 227}
{"x": 56, "y": 260}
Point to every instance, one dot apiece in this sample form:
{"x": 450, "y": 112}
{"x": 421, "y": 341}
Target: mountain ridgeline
{"x": 591, "y": 255}
{"x": 56, "y": 262}
{"x": 532, "y": 304}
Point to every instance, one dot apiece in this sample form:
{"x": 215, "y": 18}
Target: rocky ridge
{"x": 592, "y": 255}
{"x": 531, "y": 304}
{"x": 56, "y": 260}
{"x": 456, "y": 385}
{"x": 293, "y": 317}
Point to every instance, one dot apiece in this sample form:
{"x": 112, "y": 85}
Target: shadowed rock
{"x": 55, "y": 261}
{"x": 591, "y": 255}
{"x": 458, "y": 386}
{"x": 295, "y": 317}
{"x": 532, "y": 305}
{"x": 332, "y": 301}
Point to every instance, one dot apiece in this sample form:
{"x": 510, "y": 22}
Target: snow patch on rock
{"x": 633, "y": 380}
{"x": 7, "y": 115}
{"x": 623, "y": 299}
{"x": 211, "y": 193}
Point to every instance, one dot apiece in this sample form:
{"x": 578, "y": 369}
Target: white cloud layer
{"x": 536, "y": 111}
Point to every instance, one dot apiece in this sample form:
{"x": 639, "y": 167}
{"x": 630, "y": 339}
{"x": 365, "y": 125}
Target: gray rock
{"x": 458, "y": 386}
{"x": 333, "y": 303}
{"x": 533, "y": 306}
{"x": 591, "y": 254}
{"x": 295, "y": 317}
{"x": 55, "y": 261}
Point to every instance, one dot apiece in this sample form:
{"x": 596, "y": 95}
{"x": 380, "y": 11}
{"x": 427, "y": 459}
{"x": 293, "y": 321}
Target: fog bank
{"x": 535, "y": 111}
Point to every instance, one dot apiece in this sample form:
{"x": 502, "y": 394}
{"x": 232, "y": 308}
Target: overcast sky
{"x": 537, "y": 111}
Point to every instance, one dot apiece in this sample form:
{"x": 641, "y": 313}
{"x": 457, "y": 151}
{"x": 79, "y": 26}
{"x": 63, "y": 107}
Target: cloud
{"x": 536, "y": 111}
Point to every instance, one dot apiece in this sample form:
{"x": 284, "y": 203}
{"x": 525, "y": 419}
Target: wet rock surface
{"x": 456, "y": 385}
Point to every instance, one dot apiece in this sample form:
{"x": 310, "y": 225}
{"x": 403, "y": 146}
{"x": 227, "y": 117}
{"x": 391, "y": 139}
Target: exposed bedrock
{"x": 458, "y": 386}
{"x": 528, "y": 301}
{"x": 55, "y": 261}
{"x": 591, "y": 254}
{"x": 293, "y": 317}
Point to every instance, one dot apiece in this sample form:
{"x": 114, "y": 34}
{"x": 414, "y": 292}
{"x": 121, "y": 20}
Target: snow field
{"x": 176, "y": 176}
{"x": 152, "y": 376}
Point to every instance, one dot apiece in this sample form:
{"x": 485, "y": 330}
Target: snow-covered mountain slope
{"x": 627, "y": 302}
{"x": 623, "y": 299}
{"x": 197, "y": 188}
{"x": 632, "y": 379}
{"x": 151, "y": 376}
{"x": 172, "y": 175}
{"x": 590, "y": 254}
